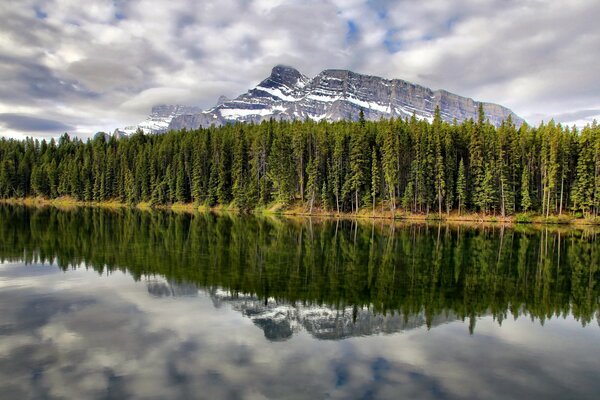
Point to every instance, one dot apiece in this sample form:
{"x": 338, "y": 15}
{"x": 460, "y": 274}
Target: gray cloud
{"x": 577, "y": 115}
{"x": 27, "y": 123}
{"x": 102, "y": 66}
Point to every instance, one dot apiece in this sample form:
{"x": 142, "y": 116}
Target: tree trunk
{"x": 548, "y": 205}
{"x": 302, "y": 179}
{"x": 562, "y": 185}
{"x": 373, "y": 205}
{"x": 502, "y": 204}
{"x": 439, "y": 202}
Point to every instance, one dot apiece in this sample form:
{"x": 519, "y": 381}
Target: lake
{"x": 153, "y": 305}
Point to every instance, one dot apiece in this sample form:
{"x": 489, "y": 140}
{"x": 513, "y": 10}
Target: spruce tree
{"x": 358, "y": 165}
{"x": 239, "y": 172}
{"x": 408, "y": 197}
{"x": 375, "y": 177}
{"x": 525, "y": 195}
{"x": 312, "y": 183}
{"x": 461, "y": 186}
{"x": 390, "y": 164}
{"x": 281, "y": 168}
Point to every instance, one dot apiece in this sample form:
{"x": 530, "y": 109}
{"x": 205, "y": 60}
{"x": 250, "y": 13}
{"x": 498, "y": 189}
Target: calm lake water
{"x": 127, "y": 304}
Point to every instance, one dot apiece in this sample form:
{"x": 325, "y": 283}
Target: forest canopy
{"x": 344, "y": 166}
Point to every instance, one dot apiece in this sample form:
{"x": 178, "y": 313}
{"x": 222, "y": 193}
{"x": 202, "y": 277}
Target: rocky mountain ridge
{"x": 332, "y": 95}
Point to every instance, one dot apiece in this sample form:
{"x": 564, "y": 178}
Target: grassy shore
{"x": 297, "y": 209}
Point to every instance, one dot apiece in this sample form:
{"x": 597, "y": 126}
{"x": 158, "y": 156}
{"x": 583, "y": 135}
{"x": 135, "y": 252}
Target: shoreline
{"x": 298, "y": 211}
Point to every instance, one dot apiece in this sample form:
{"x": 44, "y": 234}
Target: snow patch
{"x": 238, "y": 112}
{"x": 369, "y": 105}
{"x": 277, "y": 93}
{"x": 323, "y": 99}
{"x": 317, "y": 118}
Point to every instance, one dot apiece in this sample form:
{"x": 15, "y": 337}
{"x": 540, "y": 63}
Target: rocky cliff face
{"x": 335, "y": 95}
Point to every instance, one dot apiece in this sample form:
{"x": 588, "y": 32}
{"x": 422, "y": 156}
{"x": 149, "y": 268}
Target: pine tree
{"x": 299, "y": 151}
{"x": 52, "y": 175}
{"x": 476, "y": 162}
{"x": 408, "y": 197}
{"x": 488, "y": 191}
{"x": 131, "y": 195}
{"x": 7, "y": 172}
{"x": 239, "y": 172}
{"x": 525, "y": 196}
{"x": 337, "y": 168}
{"x": 461, "y": 186}
{"x": 358, "y": 165}
{"x": 312, "y": 183}
{"x": 281, "y": 168}
{"x": 503, "y": 165}
{"x": 583, "y": 190}
{"x": 375, "y": 177}
{"x": 224, "y": 185}
{"x": 390, "y": 164}
{"x": 180, "y": 182}
{"x": 197, "y": 178}
{"x": 450, "y": 149}
{"x": 171, "y": 184}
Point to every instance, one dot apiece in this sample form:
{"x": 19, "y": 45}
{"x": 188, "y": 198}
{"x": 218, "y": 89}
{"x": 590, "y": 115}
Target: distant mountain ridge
{"x": 332, "y": 95}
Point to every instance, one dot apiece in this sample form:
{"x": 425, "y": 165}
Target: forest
{"x": 406, "y": 165}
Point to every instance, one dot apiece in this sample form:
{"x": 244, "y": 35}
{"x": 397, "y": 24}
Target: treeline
{"x": 391, "y": 268}
{"x": 344, "y": 166}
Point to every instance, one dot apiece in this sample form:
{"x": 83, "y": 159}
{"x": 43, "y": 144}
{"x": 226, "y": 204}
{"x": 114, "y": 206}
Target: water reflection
{"x": 392, "y": 271}
{"x": 227, "y": 307}
{"x": 81, "y": 335}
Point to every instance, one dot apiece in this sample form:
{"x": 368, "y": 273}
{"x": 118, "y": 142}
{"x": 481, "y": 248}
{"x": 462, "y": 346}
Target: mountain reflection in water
{"x": 130, "y": 304}
{"x": 377, "y": 273}
{"x": 280, "y": 320}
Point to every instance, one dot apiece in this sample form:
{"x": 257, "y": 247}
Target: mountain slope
{"x": 335, "y": 95}
{"x": 332, "y": 95}
{"x": 160, "y": 117}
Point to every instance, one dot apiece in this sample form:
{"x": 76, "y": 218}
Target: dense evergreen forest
{"x": 412, "y": 165}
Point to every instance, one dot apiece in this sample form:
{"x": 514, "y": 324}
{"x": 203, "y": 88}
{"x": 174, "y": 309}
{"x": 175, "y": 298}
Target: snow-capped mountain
{"x": 160, "y": 118}
{"x": 334, "y": 95}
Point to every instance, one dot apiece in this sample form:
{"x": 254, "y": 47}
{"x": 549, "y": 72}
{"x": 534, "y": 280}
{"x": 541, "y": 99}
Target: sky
{"x": 83, "y": 67}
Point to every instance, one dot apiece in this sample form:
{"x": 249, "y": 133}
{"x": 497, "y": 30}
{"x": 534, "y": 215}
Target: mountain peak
{"x": 280, "y": 69}
{"x": 332, "y": 95}
{"x": 285, "y": 75}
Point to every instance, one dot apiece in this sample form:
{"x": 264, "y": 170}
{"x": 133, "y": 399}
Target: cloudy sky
{"x": 101, "y": 64}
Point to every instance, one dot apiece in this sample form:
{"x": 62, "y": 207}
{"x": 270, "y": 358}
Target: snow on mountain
{"x": 160, "y": 118}
{"x": 332, "y": 95}
{"x": 335, "y": 95}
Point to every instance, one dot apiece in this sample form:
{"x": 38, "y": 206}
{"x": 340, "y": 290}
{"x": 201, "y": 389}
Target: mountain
{"x": 160, "y": 118}
{"x": 332, "y": 95}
